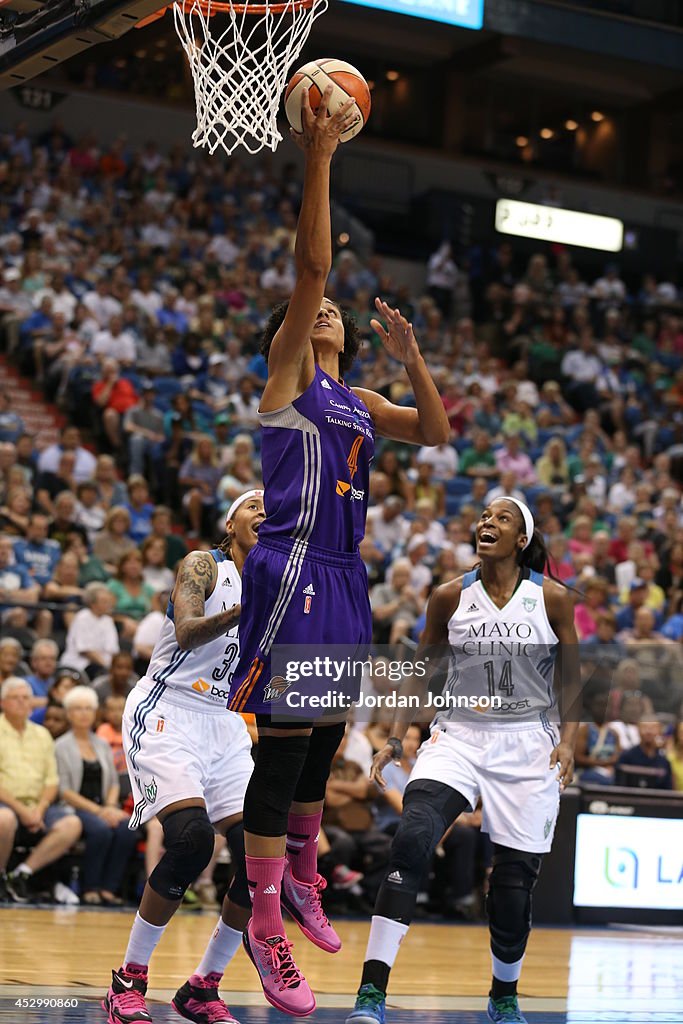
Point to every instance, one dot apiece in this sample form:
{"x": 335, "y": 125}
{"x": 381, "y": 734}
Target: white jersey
{"x": 204, "y": 674}
{"x": 505, "y": 653}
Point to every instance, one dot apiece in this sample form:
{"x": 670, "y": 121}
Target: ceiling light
{"x": 571, "y": 125}
{"x": 392, "y": 76}
{"x": 547, "y": 133}
{"x": 522, "y": 141}
{"x": 597, "y": 116}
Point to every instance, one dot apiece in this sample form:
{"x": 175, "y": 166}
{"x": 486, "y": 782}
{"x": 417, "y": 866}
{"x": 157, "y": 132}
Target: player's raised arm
{"x": 431, "y": 652}
{"x": 425, "y": 425}
{"x": 313, "y": 250}
{"x": 560, "y": 607}
{"x": 196, "y": 581}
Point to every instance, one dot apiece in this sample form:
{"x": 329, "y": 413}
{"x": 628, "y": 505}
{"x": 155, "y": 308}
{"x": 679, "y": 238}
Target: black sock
{"x": 376, "y": 973}
{"x": 502, "y": 988}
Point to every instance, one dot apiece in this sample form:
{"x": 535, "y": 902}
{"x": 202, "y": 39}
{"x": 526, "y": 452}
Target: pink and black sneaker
{"x": 284, "y": 986}
{"x": 198, "y": 1000}
{"x": 302, "y": 901}
{"x": 125, "y": 1003}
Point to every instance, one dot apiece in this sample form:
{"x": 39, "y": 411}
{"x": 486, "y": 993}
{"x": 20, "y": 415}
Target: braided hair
{"x": 352, "y": 338}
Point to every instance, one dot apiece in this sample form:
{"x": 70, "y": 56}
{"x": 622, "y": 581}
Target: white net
{"x": 239, "y": 56}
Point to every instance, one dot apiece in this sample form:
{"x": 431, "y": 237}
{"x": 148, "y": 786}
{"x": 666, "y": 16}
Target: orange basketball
{"x": 346, "y": 81}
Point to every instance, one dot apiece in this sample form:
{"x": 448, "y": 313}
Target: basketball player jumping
{"x": 304, "y": 582}
{"x": 189, "y": 760}
{"x": 511, "y": 635}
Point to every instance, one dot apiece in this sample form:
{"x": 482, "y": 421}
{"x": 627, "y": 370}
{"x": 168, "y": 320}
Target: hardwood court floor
{"x": 442, "y": 974}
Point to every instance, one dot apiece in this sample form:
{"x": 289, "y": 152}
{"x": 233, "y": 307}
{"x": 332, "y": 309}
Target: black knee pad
{"x": 239, "y": 890}
{"x": 428, "y": 809}
{"x": 279, "y": 761}
{"x": 508, "y": 903}
{"x": 325, "y": 740}
{"x": 188, "y": 842}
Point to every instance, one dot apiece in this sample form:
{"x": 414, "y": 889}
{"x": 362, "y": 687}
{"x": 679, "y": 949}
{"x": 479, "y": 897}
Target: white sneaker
{"x": 63, "y": 894}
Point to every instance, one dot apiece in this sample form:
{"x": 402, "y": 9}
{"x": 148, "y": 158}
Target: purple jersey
{"x": 316, "y": 455}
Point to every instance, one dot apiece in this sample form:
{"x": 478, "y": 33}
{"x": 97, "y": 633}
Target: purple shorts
{"x": 315, "y": 600}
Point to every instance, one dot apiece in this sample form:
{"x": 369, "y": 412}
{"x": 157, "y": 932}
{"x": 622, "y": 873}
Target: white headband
{"x": 239, "y": 501}
{"x": 526, "y": 516}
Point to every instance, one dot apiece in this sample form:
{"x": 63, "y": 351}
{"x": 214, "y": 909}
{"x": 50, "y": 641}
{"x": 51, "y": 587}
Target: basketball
{"x": 346, "y": 81}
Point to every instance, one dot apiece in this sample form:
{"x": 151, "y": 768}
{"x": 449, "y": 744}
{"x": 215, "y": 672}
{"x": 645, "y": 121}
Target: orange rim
{"x": 220, "y": 7}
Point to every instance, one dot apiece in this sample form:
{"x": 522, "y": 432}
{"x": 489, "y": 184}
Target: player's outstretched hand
{"x": 381, "y": 759}
{"x": 398, "y": 338}
{"x": 321, "y": 131}
{"x": 563, "y": 755}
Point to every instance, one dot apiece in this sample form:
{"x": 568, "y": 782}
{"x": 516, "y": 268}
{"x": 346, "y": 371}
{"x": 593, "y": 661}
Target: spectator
{"x": 16, "y": 585}
{"x": 115, "y": 396}
{"x": 510, "y": 458}
{"x": 675, "y": 756}
{"x": 63, "y": 523}
{"x": 90, "y": 513}
{"x": 65, "y": 589}
{"x": 443, "y": 458}
{"x": 348, "y": 822}
{"x": 594, "y": 604}
{"x": 637, "y": 595}
{"x": 11, "y": 663}
{"x": 396, "y": 604}
{"x": 442, "y": 276}
{"x": 597, "y": 744}
{"x": 140, "y": 508}
{"x": 11, "y": 423}
{"x": 645, "y": 766}
{"x": 659, "y": 660}
{"x": 70, "y": 440}
{"x": 44, "y": 655}
{"x": 28, "y": 788}
{"x": 155, "y": 573}
{"x": 633, "y": 707}
{"x": 425, "y": 487}
{"x": 132, "y": 595}
{"x": 148, "y": 629}
{"x": 387, "y": 527}
{"x": 114, "y": 540}
{"x": 111, "y": 491}
{"x": 36, "y": 553}
{"x": 55, "y": 720}
{"x": 118, "y": 681}
{"x": 161, "y": 522}
{"x": 144, "y": 426}
{"x": 88, "y": 782}
{"x": 244, "y": 405}
{"x": 199, "y": 475}
{"x": 92, "y": 639}
{"x": 552, "y": 469}
{"x": 479, "y": 460}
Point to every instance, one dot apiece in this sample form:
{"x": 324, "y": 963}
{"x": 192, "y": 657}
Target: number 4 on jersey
{"x": 505, "y": 684}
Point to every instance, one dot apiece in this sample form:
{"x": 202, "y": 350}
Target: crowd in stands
{"x": 134, "y": 289}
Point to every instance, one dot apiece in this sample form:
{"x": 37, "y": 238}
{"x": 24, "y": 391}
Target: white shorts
{"x": 173, "y": 754}
{"x": 509, "y": 769}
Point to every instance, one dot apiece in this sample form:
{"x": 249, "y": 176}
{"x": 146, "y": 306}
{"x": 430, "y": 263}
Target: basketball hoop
{"x": 239, "y": 66}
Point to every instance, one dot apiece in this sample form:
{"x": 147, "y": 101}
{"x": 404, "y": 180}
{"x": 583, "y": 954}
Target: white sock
{"x": 220, "y": 950}
{"x": 23, "y": 869}
{"x": 506, "y": 972}
{"x": 385, "y": 938}
{"x": 143, "y": 940}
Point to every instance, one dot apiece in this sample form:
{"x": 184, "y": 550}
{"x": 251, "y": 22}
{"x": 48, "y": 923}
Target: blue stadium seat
{"x": 459, "y": 485}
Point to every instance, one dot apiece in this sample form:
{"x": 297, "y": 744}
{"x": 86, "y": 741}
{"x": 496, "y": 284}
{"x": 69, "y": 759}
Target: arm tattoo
{"x": 196, "y": 580}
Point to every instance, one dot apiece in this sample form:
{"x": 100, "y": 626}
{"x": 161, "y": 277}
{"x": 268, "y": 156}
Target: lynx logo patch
{"x": 529, "y": 603}
{"x": 151, "y": 791}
